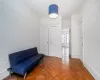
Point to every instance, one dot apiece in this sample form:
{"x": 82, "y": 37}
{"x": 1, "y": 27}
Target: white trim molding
{"x": 3, "y": 70}
{"x": 4, "y": 74}
{"x": 93, "y": 73}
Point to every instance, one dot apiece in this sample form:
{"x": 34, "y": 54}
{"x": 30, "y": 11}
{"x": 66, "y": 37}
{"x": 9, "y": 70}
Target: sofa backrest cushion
{"x": 17, "y": 57}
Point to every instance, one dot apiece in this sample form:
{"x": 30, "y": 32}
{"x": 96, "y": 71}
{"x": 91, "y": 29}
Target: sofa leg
{"x": 41, "y": 61}
{"x": 25, "y": 76}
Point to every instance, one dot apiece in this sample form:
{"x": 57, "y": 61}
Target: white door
{"x": 55, "y": 41}
{"x": 44, "y": 40}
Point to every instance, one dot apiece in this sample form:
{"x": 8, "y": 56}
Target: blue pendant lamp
{"x": 53, "y": 11}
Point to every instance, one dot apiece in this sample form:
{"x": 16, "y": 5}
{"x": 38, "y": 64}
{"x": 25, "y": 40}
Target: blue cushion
{"x": 18, "y": 57}
{"x": 23, "y": 67}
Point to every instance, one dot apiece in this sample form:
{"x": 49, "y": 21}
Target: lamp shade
{"x": 53, "y": 11}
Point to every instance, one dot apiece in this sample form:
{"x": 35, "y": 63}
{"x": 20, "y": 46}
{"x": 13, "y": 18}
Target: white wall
{"x": 19, "y": 30}
{"x": 46, "y": 21}
{"x": 75, "y": 36}
{"x": 91, "y": 28}
{"x": 66, "y": 24}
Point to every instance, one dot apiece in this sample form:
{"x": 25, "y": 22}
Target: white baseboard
{"x": 3, "y": 70}
{"x": 4, "y": 74}
{"x": 93, "y": 73}
{"x": 81, "y": 60}
{"x": 75, "y": 56}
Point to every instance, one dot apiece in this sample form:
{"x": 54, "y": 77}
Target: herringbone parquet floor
{"x": 54, "y": 69}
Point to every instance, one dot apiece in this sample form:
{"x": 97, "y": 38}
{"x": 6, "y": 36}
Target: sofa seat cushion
{"x": 23, "y": 67}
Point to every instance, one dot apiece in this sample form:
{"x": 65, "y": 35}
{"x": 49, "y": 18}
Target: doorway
{"x": 65, "y": 45}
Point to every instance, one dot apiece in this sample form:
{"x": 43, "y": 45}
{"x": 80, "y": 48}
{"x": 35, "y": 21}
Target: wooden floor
{"x": 54, "y": 69}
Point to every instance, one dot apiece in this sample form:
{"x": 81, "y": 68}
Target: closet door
{"x": 55, "y": 41}
{"x": 44, "y": 48}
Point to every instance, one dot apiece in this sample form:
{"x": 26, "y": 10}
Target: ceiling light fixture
{"x": 53, "y": 11}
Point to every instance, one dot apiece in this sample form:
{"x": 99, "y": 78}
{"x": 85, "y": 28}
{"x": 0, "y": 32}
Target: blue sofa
{"x": 21, "y": 62}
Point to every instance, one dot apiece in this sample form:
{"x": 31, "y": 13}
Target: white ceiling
{"x": 66, "y": 7}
